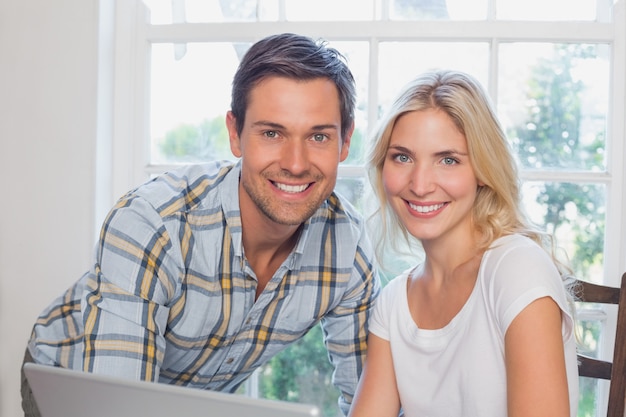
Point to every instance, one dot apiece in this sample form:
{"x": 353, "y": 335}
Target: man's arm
{"x": 124, "y": 307}
{"x": 346, "y": 328}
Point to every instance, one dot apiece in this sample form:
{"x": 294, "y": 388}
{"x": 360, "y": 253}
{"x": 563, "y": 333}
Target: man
{"x": 203, "y": 274}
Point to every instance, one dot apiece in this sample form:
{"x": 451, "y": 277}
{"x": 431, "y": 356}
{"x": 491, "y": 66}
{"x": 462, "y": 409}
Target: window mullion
{"x": 615, "y": 247}
{"x": 592, "y": 32}
{"x": 372, "y": 88}
{"x": 131, "y": 82}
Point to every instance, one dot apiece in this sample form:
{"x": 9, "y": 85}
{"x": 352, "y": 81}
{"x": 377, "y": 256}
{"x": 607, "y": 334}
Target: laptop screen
{"x": 61, "y": 392}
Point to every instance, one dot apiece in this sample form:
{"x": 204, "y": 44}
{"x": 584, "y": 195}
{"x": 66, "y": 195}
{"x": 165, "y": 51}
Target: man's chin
{"x": 289, "y": 220}
{"x": 291, "y": 217}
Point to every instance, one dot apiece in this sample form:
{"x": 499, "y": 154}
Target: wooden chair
{"x": 614, "y": 370}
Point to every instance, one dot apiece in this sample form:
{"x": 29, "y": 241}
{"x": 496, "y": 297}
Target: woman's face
{"x": 428, "y": 178}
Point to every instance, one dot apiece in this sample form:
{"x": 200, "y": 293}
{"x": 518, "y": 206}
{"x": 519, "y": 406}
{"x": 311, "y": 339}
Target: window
{"x": 554, "y": 68}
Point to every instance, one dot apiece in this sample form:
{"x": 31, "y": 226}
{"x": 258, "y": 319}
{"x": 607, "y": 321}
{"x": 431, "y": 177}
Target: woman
{"x": 482, "y": 327}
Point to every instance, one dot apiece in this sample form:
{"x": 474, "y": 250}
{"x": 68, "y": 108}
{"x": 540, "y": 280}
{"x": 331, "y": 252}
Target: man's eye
{"x": 270, "y": 134}
{"x": 319, "y": 137}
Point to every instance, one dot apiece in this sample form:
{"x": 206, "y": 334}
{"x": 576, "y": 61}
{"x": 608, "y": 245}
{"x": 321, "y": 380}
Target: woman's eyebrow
{"x": 399, "y": 148}
{"x": 450, "y": 152}
{"x": 439, "y": 154}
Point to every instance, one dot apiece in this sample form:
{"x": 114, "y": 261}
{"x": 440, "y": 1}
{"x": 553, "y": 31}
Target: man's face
{"x": 290, "y": 147}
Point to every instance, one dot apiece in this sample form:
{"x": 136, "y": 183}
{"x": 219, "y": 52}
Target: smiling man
{"x": 203, "y": 274}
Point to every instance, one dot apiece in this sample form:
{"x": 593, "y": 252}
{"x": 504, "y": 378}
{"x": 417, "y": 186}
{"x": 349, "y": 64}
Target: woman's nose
{"x": 422, "y": 180}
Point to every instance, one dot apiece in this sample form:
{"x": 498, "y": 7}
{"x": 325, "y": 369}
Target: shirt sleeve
{"x": 516, "y": 274}
{"x": 346, "y": 326}
{"x": 390, "y": 297}
{"x": 125, "y": 303}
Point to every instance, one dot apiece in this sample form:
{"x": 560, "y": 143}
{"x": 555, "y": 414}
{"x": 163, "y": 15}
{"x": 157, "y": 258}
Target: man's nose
{"x": 295, "y": 156}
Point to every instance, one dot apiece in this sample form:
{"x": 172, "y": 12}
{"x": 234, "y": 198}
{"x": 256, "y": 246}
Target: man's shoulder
{"x": 346, "y": 221}
{"x": 338, "y": 206}
{"x": 191, "y": 176}
{"x": 183, "y": 188}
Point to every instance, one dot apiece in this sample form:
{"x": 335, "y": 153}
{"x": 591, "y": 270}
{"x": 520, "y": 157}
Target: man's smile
{"x": 291, "y": 188}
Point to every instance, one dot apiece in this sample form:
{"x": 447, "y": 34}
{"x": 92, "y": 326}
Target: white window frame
{"x": 124, "y": 153}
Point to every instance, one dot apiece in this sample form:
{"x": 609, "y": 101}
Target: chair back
{"x": 614, "y": 370}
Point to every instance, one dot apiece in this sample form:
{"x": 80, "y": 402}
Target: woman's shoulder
{"x": 516, "y": 255}
{"x": 512, "y": 240}
{"x": 515, "y": 245}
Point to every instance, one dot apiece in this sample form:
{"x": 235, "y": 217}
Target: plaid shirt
{"x": 171, "y": 296}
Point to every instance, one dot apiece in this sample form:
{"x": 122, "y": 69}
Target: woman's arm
{"x": 535, "y": 362}
{"x": 377, "y": 392}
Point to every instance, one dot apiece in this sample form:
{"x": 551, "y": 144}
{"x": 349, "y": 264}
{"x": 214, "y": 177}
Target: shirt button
{"x": 229, "y": 360}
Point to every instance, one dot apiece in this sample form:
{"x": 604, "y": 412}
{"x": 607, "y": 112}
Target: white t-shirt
{"x": 459, "y": 370}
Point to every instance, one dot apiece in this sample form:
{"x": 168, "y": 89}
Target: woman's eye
{"x": 449, "y": 161}
{"x": 402, "y": 158}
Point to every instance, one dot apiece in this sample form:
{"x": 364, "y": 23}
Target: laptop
{"x": 61, "y": 392}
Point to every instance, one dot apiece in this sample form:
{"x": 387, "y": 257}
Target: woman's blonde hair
{"x": 497, "y": 210}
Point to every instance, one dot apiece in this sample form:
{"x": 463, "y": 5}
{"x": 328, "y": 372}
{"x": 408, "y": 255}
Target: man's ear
{"x": 345, "y": 144}
{"x": 233, "y": 136}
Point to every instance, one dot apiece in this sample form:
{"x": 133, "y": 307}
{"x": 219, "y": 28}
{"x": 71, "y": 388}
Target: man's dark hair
{"x": 296, "y": 57}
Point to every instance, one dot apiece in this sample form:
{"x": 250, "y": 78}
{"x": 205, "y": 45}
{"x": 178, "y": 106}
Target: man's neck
{"x": 266, "y": 243}
{"x": 266, "y": 257}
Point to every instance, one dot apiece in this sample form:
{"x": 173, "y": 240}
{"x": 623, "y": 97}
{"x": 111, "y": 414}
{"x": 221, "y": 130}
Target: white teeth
{"x": 291, "y": 188}
{"x": 426, "y": 209}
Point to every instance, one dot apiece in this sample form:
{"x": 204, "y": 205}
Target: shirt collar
{"x": 229, "y": 196}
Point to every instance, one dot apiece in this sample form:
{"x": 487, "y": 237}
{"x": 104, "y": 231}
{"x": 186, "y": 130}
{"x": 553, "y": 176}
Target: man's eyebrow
{"x": 265, "y": 123}
{"x": 278, "y": 126}
{"x": 325, "y": 127}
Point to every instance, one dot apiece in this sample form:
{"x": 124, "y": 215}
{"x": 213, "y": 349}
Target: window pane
{"x": 553, "y": 102}
{"x": 589, "y": 331}
{"x": 400, "y": 62}
{"x": 590, "y": 325}
{"x": 329, "y": 10}
{"x": 547, "y": 9}
{"x": 302, "y": 373}
{"x": 438, "y": 9}
{"x": 195, "y": 11}
{"x": 357, "y": 57}
{"x": 190, "y": 96}
{"x": 576, "y": 214}
{"x": 354, "y": 190}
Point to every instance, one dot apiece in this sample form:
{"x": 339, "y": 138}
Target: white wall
{"x": 48, "y": 80}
